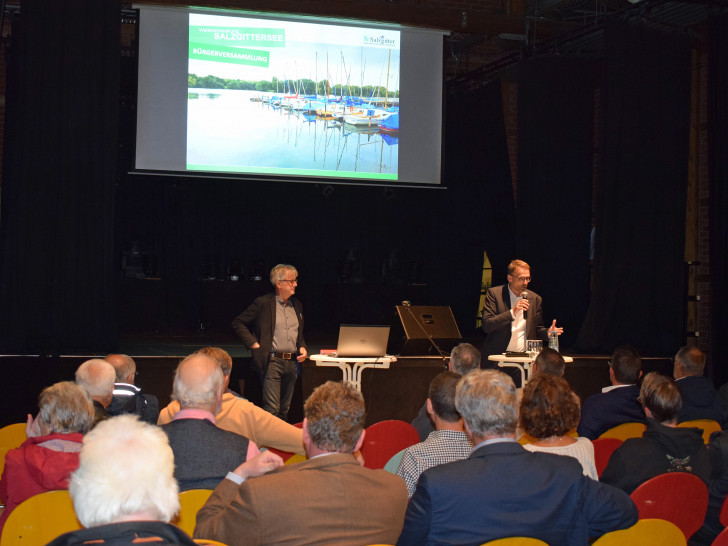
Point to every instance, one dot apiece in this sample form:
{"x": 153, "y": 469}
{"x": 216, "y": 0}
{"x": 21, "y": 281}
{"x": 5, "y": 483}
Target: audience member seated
{"x": 124, "y": 491}
{"x": 664, "y": 447}
{"x": 97, "y": 377}
{"x": 502, "y": 490}
{"x": 717, "y": 490}
{"x": 699, "y": 397}
{"x": 447, "y": 443}
{"x": 128, "y": 398}
{"x": 617, "y": 403}
{"x": 203, "y": 453}
{"x": 550, "y": 409}
{"x": 463, "y": 358}
{"x": 547, "y": 361}
{"x": 328, "y": 499}
{"x": 243, "y": 417}
{"x": 46, "y": 459}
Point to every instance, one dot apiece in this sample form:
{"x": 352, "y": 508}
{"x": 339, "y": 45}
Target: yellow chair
{"x": 295, "y": 458}
{"x": 208, "y": 542}
{"x": 40, "y": 519}
{"x": 708, "y": 425}
{"x": 515, "y": 541}
{"x": 625, "y": 431}
{"x": 190, "y": 502}
{"x": 646, "y": 532}
{"x": 11, "y": 437}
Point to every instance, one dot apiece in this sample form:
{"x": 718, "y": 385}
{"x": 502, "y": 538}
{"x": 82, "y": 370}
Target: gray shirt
{"x": 286, "y": 331}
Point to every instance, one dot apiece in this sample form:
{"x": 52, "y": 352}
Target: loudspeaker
{"x": 413, "y": 323}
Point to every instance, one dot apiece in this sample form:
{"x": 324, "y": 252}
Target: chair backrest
{"x": 11, "y": 437}
{"x": 190, "y": 502}
{"x": 40, "y": 519}
{"x": 386, "y": 438}
{"x": 603, "y": 449}
{"x": 678, "y": 497}
{"x": 721, "y": 539}
{"x": 515, "y": 541}
{"x": 285, "y": 455}
{"x": 708, "y": 426}
{"x": 723, "y": 517}
{"x": 646, "y": 532}
{"x": 625, "y": 430}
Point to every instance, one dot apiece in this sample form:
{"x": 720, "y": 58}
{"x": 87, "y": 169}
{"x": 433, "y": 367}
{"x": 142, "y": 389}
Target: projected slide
{"x": 292, "y": 98}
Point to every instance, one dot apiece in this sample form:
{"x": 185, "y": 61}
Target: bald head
{"x": 97, "y": 377}
{"x": 198, "y": 383}
{"x": 124, "y": 366}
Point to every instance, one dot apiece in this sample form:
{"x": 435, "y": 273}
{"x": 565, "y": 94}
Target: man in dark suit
{"x": 203, "y": 453}
{"x": 502, "y": 490}
{"x": 272, "y": 328}
{"x": 700, "y": 400}
{"x": 128, "y": 398}
{"x": 328, "y": 499}
{"x": 512, "y": 315}
{"x": 618, "y": 403}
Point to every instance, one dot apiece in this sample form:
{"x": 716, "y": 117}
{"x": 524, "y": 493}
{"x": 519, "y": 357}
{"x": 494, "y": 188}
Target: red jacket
{"x": 40, "y": 464}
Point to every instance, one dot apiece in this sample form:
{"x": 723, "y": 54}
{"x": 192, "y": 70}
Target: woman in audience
{"x": 663, "y": 447}
{"x": 46, "y": 459}
{"x": 549, "y": 410}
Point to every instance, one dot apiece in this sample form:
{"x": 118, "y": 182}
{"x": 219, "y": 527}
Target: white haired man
{"x": 502, "y": 490}
{"x": 124, "y": 490}
{"x": 128, "y": 398}
{"x": 97, "y": 376}
{"x": 272, "y": 328}
{"x": 343, "y": 503}
{"x": 203, "y": 453}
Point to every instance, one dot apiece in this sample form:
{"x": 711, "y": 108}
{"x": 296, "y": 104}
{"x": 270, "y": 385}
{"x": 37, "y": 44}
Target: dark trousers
{"x": 278, "y": 385}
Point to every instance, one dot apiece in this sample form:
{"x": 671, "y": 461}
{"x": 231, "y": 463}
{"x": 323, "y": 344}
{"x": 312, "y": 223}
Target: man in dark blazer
{"x": 502, "y": 490}
{"x": 272, "y": 328}
{"x": 618, "y": 403}
{"x": 328, "y": 499}
{"x": 700, "y": 400}
{"x": 512, "y": 314}
{"x": 203, "y": 453}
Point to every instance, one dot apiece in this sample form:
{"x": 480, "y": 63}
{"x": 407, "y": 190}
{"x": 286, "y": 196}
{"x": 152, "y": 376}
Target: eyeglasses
{"x": 291, "y": 281}
{"x": 522, "y": 279}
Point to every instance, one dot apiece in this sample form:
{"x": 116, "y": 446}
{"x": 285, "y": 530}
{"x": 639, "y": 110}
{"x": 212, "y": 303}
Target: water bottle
{"x": 554, "y": 341}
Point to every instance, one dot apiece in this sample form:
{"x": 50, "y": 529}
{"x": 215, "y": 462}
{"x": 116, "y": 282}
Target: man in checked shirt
{"x": 447, "y": 443}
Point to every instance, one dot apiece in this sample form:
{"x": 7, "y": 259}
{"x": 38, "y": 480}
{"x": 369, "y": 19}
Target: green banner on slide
{"x": 238, "y": 36}
{"x": 233, "y": 55}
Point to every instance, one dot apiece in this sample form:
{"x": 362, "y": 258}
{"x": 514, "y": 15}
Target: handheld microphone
{"x": 524, "y": 295}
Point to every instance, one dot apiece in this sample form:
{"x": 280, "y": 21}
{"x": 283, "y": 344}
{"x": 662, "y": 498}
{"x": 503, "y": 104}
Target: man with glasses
{"x": 512, "y": 314}
{"x": 272, "y": 328}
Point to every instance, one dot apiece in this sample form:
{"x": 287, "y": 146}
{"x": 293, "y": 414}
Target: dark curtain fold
{"x": 59, "y": 173}
{"x": 718, "y": 207}
{"x": 638, "y": 293}
{"x": 555, "y": 169}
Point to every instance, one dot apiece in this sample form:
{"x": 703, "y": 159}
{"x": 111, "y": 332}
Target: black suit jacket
{"x": 257, "y": 324}
{"x": 497, "y": 320}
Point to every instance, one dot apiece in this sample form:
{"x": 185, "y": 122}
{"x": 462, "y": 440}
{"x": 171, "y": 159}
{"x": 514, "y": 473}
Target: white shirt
{"x": 518, "y": 326}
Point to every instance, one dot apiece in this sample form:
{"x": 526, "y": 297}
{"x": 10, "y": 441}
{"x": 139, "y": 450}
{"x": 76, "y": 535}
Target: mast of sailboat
{"x": 386, "y": 82}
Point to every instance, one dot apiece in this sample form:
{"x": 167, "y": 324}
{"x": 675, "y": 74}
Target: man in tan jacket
{"x": 328, "y": 499}
{"x": 243, "y": 417}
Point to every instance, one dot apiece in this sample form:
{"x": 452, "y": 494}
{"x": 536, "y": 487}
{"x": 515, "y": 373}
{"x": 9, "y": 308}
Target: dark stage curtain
{"x": 555, "y": 151}
{"x": 480, "y": 197}
{"x": 59, "y": 171}
{"x": 718, "y": 165}
{"x": 638, "y": 294}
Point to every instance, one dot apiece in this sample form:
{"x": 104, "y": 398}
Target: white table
{"x": 523, "y": 363}
{"x": 353, "y": 366}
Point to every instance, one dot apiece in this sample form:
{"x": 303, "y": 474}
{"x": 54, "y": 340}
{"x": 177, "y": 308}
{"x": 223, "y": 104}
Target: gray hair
{"x": 692, "y": 360}
{"x": 123, "y": 364}
{"x": 278, "y": 273}
{"x": 335, "y": 416}
{"x": 487, "y": 401}
{"x": 201, "y": 393}
{"x": 97, "y": 377}
{"x": 464, "y": 358}
{"x": 126, "y": 468}
{"x": 66, "y": 407}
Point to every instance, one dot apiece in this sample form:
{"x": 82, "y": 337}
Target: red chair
{"x": 723, "y": 517}
{"x": 603, "y": 449}
{"x": 721, "y": 539}
{"x": 385, "y": 439}
{"x": 678, "y": 497}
